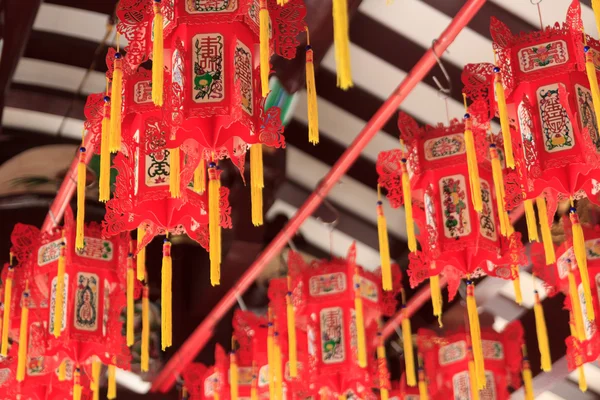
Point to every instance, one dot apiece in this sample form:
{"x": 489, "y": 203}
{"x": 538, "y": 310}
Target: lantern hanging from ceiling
{"x": 447, "y": 362}
{"x": 339, "y": 305}
{"x": 193, "y": 381}
{"x": 215, "y": 378}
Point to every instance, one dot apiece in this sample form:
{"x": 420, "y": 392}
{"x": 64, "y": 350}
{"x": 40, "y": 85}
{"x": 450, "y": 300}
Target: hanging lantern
{"x": 446, "y": 362}
{"x": 215, "y": 378}
{"x": 193, "y": 381}
{"x": 340, "y": 307}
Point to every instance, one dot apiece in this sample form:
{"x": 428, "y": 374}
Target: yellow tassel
{"x": 473, "y": 168}
{"x": 341, "y": 42}
{"x": 200, "y": 177}
{"x": 145, "y": 350}
{"x": 216, "y": 395}
{"x": 278, "y": 368}
{"x": 504, "y": 122}
{"x": 174, "y": 174}
{"x": 62, "y": 371}
{"x": 158, "y": 74}
{"x": 517, "y": 289}
{"x": 233, "y": 369}
{"x": 166, "y": 296}
{"x": 436, "y": 297}
{"x": 383, "y": 371}
{"x": 475, "y": 331}
{"x": 23, "y": 336}
{"x": 472, "y": 378}
{"x": 576, "y": 308}
{"x": 6, "y": 319}
{"x": 527, "y": 381}
{"x": 254, "y": 388}
{"x": 141, "y": 254}
{"x": 95, "y": 382}
{"x": 384, "y": 245}
{"x": 112, "y": 382}
{"x": 77, "y": 388}
{"x": 409, "y": 357}
{"x": 360, "y": 323}
{"x": 596, "y": 8}
{"x": 423, "y": 391}
{"x": 116, "y": 104}
{"x": 257, "y": 183}
{"x": 545, "y": 229}
{"x": 311, "y": 94}
{"x": 582, "y": 380}
{"x": 542, "y": 334}
{"x": 81, "y": 180}
{"x": 104, "y": 183}
{"x": 214, "y": 226}
{"x": 265, "y": 49}
{"x": 410, "y": 223}
{"x": 60, "y": 287}
{"x": 271, "y": 356}
{"x": 291, "y": 327}
{"x": 593, "y": 79}
{"x": 532, "y": 231}
{"x": 578, "y": 335}
{"x": 499, "y": 189}
{"x": 130, "y": 301}
{"x": 580, "y": 256}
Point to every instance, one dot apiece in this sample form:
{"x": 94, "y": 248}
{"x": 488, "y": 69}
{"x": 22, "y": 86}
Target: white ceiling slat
{"x": 41, "y": 122}
{"x": 592, "y": 375}
{"x": 527, "y": 287}
{"x": 548, "y": 396}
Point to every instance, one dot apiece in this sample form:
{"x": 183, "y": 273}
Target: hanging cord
{"x": 330, "y": 224}
{"x": 537, "y": 4}
{"x": 110, "y": 26}
{"x": 443, "y": 92}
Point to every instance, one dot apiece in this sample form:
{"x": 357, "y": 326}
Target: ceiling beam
{"x": 100, "y": 6}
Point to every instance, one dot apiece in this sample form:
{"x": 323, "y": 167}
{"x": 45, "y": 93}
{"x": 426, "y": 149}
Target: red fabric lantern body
{"x": 193, "y": 377}
{"x": 446, "y": 362}
{"x": 455, "y": 239}
{"x": 215, "y": 378}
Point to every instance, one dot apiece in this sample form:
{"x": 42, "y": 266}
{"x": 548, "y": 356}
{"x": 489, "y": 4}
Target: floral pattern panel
{"x": 53, "y": 302}
{"x": 452, "y": 352}
{"x": 540, "y": 56}
{"x": 210, "y": 6}
{"x": 453, "y": 192}
{"x": 208, "y": 74}
{"x": 587, "y": 116}
{"x": 332, "y": 335}
{"x": 327, "y": 284}
{"x": 242, "y": 63}
{"x": 556, "y": 127}
{"x": 85, "y": 317}
{"x": 445, "y": 146}
{"x": 487, "y": 223}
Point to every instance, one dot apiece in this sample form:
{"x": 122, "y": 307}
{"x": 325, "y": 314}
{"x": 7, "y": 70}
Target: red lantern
{"x": 446, "y": 360}
{"x": 215, "y": 378}
{"x": 193, "y": 377}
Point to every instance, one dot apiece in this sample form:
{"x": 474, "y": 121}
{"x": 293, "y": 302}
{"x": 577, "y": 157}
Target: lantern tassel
{"x": 60, "y": 287}
{"x": 311, "y": 94}
{"x": 141, "y": 253}
{"x": 576, "y": 308}
{"x": 410, "y": 223}
{"x": 596, "y": 8}
{"x": 360, "y": 323}
{"x": 270, "y": 356}
{"x": 214, "y": 220}
{"x": 499, "y": 189}
{"x": 409, "y": 357}
{"x": 265, "y": 48}
{"x": 582, "y": 380}
{"x": 200, "y": 177}
{"x": 475, "y": 331}
{"x": 341, "y": 42}
{"x": 254, "y": 387}
{"x": 527, "y": 380}
{"x": 112, "y": 382}
{"x": 436, "y": 297}
{"x": 423, "y": 391}
{"x": 472, "y": 377}
{"x": 383, "y": 372}
{"x": 95, "y": 383}
{"x": 257, "y": 183}
{"x": 116, "y": 105}
{"x": 23, "y": 336}
{"x": 542, "y": 334}
{"x": 166, "y": 295}
{"x": 504, "y": 122}
{"x": 517, "y": 288}
{"x": 81, "y": 180}
{"x": 77, "y": 388}
{"x": 532, "y": 231}
{"x": 145, "y": 350}
{"x": 580, "y": 256}
{"x": 473, "y": 168}
{"x": 62, "y": 371}
{"x": 104, "y": 184}
{"x": 175, "y": 173}
{"x": 6, "y": 318}
{"x": 157, "y": 56}
{"x": 545, "y": 229}
{"x": 590, "y": 69}
{"x": 234, "y": 378}
{"x": 384, "y": 245}
{"x": 577, "y": 331}
{"x": 291, "y": 327}
{"x": 278, "y": 367}
{"x": 130, "y": 301}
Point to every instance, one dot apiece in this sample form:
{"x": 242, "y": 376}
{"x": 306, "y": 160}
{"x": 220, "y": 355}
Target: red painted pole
{"x": 197, "y": 340}
{"x": 67, "y": 188}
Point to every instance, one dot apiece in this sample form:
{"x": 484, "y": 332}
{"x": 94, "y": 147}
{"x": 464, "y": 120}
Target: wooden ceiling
{"x": 48, "y": 48}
